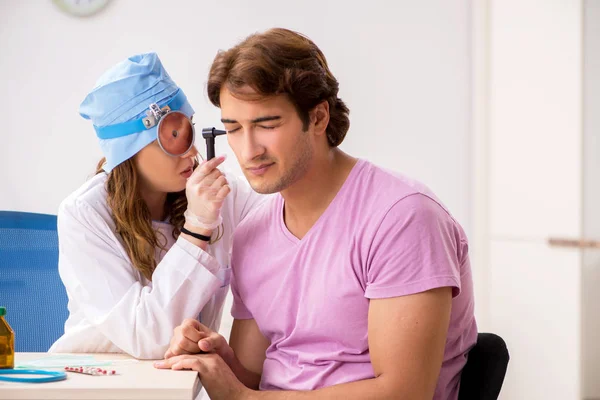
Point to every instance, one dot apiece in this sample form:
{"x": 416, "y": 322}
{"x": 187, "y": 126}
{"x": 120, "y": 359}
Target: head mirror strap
{"x": 154, "y": 114}
{"x": 131, "y": 127}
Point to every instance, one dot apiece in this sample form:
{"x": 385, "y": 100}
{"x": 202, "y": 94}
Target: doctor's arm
{"x": 102, "y": 282}
{"x": 243, "y": 198}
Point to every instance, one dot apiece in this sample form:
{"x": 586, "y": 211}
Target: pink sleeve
{"x": 416, "y": 248}
{"x": 238, "y": 308}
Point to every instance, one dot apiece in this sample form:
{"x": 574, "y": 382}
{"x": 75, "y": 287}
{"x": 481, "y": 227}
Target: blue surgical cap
{"x": 124, "y": 94}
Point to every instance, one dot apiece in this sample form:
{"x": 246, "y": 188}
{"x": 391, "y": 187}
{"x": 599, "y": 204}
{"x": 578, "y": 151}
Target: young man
{"x": 353, "y": 282}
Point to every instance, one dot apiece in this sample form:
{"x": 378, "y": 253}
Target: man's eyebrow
{"x": 254, "y": 121}
{"x": 267, "y": 118}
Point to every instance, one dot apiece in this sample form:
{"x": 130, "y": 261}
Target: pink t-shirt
{"x": 382, "y": 236}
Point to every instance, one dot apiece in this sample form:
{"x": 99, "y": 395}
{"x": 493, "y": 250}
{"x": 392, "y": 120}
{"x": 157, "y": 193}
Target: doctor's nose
{"x": 192, "y": 153}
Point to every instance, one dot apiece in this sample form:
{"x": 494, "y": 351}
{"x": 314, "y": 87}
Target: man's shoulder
{"x": 391, "y": 184}
{"x": 385, "y": 189}
{"x": 384, "y": 186}
{"x": 259, "y": 221}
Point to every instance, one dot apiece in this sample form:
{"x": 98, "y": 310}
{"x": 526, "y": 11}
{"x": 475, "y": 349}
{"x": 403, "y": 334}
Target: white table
{"x": 136, "y": 380}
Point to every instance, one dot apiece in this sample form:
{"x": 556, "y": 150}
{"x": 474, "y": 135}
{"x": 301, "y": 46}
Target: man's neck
{"x": 307, "y": 199}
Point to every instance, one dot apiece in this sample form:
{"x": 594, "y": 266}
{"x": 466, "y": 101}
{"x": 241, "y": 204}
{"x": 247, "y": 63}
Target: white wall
{"x": 403, "y": 66}
{"x": 591, "y": 199}
{"x": 535, "y": 183}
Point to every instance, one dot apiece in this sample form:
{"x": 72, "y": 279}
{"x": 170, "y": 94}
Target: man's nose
{"x": 251, "y": 149}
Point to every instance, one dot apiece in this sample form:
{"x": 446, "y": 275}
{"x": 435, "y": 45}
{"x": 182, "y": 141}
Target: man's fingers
{"x": 192, "y": 332}
{"x": 181, "y": 362}
{"x": 195, "y": 364}
{"x": 205, "y": 345}
{"x": 213, "y": 342}
{"x": 186, "y": 337}
{"x": 185, "y": 346}
{"x": 169, "y": 362}
{"x": 177, "y": 366}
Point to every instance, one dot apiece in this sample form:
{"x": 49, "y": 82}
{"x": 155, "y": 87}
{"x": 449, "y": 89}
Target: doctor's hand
{"x": 206, "y": 189}
{"x": 191, "y": 337}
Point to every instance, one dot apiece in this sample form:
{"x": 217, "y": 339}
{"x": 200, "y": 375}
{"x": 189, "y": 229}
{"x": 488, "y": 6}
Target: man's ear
{"x": 319, "y": 116}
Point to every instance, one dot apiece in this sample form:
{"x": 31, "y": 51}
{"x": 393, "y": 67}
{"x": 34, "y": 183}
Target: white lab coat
{"x": 112, "y": 307}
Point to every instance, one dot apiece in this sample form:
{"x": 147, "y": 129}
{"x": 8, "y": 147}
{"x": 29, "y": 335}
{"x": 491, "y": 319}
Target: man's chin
{"x": 263, "y": 187}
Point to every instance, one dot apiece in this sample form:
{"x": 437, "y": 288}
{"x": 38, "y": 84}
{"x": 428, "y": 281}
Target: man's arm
{"x": 407, "y": 337}
{"x": 250, "y": 347}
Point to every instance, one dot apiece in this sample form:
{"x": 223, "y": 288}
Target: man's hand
{"x": 216, "y": 376}
{"x": 191, "y": 337}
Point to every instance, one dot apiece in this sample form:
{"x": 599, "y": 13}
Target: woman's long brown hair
{"x": 132, "y": 216}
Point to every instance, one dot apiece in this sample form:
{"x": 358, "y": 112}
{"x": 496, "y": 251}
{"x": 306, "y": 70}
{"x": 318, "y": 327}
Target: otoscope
{"x": 209, "y": 134}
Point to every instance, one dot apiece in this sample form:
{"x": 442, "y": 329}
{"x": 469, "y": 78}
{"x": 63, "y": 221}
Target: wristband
{"x": 196, "y": 235}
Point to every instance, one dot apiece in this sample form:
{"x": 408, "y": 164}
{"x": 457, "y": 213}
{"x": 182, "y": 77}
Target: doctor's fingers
{"x": 206, "y": 169}
{"x": 219, "y": 190}
{"x": 219, "y": 182}
{"x": 209, "y": 179}
{"x": 222, "y": 193}
{"x": 205, "y": 184}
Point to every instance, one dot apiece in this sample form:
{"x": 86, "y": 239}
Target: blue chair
{"x": 30, "y": 287}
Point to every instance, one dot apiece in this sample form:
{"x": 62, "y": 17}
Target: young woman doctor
{"x": 146, "y": 242}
